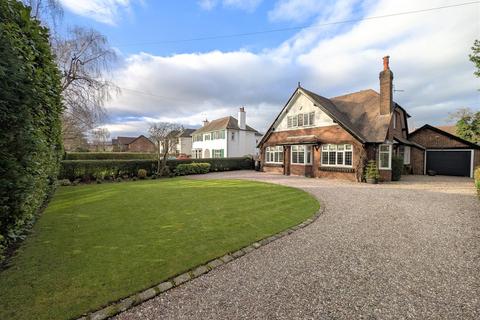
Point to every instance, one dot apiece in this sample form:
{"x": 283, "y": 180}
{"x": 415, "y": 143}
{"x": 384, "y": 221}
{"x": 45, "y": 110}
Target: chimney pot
{"x": 386, "y": 62}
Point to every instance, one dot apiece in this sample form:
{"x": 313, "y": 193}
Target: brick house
{"x": 445, "y": 153}
{"x": 133, "y": 144}
{"x": 320, "y": 137}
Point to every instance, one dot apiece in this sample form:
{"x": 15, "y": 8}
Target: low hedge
{"x": 109, "y": 156}
{"x": 88, "y": 170}
{"x": 184, "y": 169}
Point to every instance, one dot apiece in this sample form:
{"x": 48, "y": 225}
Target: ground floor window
{"x": 274, "y": 154}
{"x": 385, "y": 156}
{"x": 337, "y": 155}
{"x": 218, "y": 153}
{"x": 302, "y": 154}
{"x": 197, "y": 153}
{"x": 404, "y": 152}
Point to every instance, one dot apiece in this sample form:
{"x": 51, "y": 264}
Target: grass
{"x": 95, "y": 244}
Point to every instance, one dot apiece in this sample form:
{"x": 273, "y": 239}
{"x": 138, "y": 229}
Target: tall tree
{"x": 467, "y": 124}
{"x": 164, "y": 135}
{"x": 84, "y": 58}
{"x": 475, "y": 57}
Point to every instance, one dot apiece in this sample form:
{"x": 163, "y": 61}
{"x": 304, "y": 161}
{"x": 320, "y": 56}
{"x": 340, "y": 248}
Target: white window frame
{"x": 207, "y": 136}
{"x": 389, "y": 157}
{"x": 344, "y": 149}
{"x": 306, "y": 120}
{"x": 197, "y": 153}
{"x": 274, "y": 153}
{"x": 218, "y": 153}
{"x": 307, "y": 149}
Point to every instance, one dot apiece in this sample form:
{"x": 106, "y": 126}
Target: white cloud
{"x": 105, "y": 11}
{"x": 246, "y": 5}
{"x": 429, "y": 58}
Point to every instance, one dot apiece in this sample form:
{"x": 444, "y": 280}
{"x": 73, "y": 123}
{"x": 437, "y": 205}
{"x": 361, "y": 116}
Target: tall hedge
{"x": 30, "y": 109}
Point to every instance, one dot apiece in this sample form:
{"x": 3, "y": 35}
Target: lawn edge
{"x": 129, "y": 302}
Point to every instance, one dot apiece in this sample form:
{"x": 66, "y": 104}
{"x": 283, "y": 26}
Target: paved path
{"x": 405, "y": 250}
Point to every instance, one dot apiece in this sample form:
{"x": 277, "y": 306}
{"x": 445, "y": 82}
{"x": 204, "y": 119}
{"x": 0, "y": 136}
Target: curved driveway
{"x": 405, "y": 250}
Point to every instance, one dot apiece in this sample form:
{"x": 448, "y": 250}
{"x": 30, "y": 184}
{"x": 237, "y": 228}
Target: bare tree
{"x": 84, "y": 58}
{"x": 164, "y": 135}
{"x": 100, "y": 138}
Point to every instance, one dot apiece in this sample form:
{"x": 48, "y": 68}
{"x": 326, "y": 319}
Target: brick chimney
{"x": 242, "y": 115}
{"x": 386, "y": 90}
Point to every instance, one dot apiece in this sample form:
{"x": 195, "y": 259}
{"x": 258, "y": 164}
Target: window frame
{"x": 274, "y": 152}
{"x": 307, "y": 154}
{"x": 336, "y": 150}
{"x": 218, "y": 153}
{"x": 301, "y": 120}
{"x": 389, "y": 152}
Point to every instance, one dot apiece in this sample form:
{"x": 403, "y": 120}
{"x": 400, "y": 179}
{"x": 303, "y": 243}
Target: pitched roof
{"x": 186, "y": 133}
{"x": 123, "y": 140}
{"x": 358, "y": 113}
{"x": 445, "y": 133}
{"x": 362, "y": 108}
{"x": 222, "y": 123}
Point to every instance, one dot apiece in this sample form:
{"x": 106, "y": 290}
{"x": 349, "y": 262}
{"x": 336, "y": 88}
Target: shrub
{"x": 65, "y": 182}
{"x": 142, "y": 173}
{"x": 371, "y": 172}
{"x": 109, "y": 156}
{"x": 192, "y": 168}
{"x": 397, "y": 168}
{"x": 111, "y": 169}
{"x": 30, "y": 110}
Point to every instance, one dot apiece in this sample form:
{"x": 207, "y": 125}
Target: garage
{"x": 450, "y": 162}
{"x": 445, "y": 153}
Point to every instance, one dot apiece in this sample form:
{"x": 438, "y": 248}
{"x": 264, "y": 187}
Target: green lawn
{"x": 95, "y": 244}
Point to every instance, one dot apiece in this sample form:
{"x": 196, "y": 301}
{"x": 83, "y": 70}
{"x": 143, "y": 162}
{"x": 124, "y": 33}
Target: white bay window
{"x": 337, "y": 155}
{"x": 301, "y": 154}
{"x": 274, "y": 155}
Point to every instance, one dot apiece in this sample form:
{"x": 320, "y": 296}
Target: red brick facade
{"x": 142, "y": 144}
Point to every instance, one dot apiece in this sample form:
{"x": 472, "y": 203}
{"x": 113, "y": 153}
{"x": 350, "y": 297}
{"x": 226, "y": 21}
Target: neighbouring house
{"x": 184, "y": 144}
{"x": 446, "y": 153}
{"x": 452, "y": 129}
{"x": 320, "y": 137}
{"x": 133, "y": 144}
{"x": 225, "y": 137}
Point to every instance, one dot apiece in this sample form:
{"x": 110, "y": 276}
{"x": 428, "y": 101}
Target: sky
{"x": 184, "y": 61}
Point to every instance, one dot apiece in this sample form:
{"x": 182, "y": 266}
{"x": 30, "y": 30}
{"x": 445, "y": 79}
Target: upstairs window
{"x": 337, "y": 155}
{"x": 218, "y": 134}
{"x": 207, "y": 136}
{"x": 301, "y": 120}
{"x": 302, "y": 154}
{"x": 274, "y": 154}
{"x": 197, "y": 137}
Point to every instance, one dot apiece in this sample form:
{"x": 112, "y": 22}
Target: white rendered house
{"x": 184, "y": 144}
{"x": 225, "y": 138}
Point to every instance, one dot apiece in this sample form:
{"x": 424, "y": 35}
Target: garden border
{"x": 126, "y": 303}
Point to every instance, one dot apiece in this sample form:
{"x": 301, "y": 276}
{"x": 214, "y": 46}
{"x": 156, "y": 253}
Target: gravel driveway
{"x": 404, "y": 250}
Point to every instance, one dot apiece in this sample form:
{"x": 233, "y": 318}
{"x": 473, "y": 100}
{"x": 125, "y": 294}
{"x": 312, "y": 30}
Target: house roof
{"x": 358, "y": 113}
{"x": 445, "y": 133}
{"x": 185, "y": 133}
{"x": 222, "y": 123}
{"x": 123, "y": 140}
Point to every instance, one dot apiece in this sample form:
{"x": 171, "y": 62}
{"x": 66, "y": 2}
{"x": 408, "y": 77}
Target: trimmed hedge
{"x": 397, "y": 168}
{"x": 184, "y": 169}
{"x": 109, "y": 156}
{"x": 88, "y": 170}
{"x": 30, "y": 120}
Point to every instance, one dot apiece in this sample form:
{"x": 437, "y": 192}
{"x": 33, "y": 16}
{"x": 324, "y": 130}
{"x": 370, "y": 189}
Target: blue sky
{"x": 188, "y": 81}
